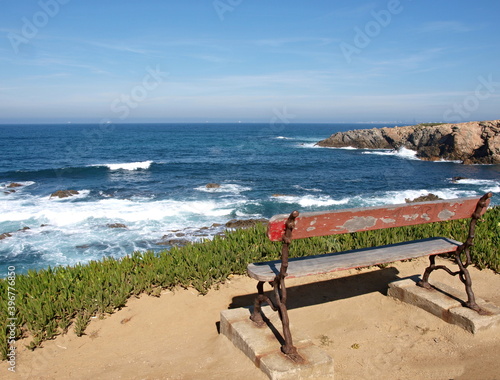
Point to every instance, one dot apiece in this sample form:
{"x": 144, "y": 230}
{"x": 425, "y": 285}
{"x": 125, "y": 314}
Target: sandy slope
{"x": 370, "y": 335}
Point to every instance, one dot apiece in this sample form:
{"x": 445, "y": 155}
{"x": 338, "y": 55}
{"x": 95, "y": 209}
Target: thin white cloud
{"x": 120, "y": 47}
{"x": 277, "y": 42}
{"x": 358, "y": 10}
{"x": 411, "y": 60}
{"x": 445, "y": 27}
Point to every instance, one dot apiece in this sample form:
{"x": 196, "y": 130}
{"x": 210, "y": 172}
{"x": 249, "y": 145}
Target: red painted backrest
{"x": 334, "y": 222}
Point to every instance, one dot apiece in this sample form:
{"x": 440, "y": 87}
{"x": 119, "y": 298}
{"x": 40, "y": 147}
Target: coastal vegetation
{"x": 47, "y": 302}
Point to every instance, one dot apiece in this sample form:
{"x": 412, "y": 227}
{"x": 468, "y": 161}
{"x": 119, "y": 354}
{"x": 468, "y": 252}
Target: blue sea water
{"x": 152, "y": 178}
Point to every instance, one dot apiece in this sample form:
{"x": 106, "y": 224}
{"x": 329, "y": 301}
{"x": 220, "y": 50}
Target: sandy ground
{"x": 369, "y": 335}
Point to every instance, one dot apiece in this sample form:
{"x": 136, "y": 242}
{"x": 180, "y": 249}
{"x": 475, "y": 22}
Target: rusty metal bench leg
{"x": 463, "y": 275}
{"x": 464, "y": 248}
{"x": 280, "y": 295}
{"x": 424, "y": 283}
{"x": 257, "y": 306}
{"x": 288, "y": 348}
{"x": 467, "y": 281}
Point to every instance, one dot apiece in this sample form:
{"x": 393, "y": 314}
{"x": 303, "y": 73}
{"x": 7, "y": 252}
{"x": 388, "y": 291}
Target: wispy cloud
{"x": 55, "y": 64}
{"x": 445, "y": 27}
{"x": 357, "y": 10}
{"x": 122, "y": 47}
{"x": 412, "y": 60}
{"x": 277, "y": 42}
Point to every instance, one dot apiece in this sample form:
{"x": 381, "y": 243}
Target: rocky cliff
{"x": 470, "y": 143}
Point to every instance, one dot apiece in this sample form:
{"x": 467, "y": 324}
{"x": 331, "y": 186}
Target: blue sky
{"x": 249, "y": 60}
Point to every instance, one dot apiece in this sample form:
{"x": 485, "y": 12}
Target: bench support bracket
{"x": 462, "y": 265}
{"x": 280, "y": 295}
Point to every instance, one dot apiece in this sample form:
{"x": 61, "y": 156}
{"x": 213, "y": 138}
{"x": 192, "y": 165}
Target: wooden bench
{"x": 286, "y": 228}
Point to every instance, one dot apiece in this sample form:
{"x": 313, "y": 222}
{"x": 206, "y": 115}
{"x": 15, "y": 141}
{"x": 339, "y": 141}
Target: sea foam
{"x": 310, "y": 200}
{"x": 399, "y": 197}
{"x": 224, "y": 188}
{"x": 486, "y": 185}
{"x": 401, "y": 153}
{"x": 128, "y": 166}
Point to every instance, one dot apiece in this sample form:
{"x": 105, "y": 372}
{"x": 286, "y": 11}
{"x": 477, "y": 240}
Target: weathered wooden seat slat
{"x": 286, "y": 228}
{"x": 331, "y": 262}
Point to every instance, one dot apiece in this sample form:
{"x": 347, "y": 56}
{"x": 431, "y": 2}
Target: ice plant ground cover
{"x": 49, "y": 300}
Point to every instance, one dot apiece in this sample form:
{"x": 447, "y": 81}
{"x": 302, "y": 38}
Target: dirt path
{"x": 369, "y": 335}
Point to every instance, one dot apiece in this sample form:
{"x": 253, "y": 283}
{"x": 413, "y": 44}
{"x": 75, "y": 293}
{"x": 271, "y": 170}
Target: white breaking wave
{"x": 333, "y": 147}
{"x": 307, "y": 145}
{"x": 81, "y": 194}
{"x": 487, "y": 185}
{"x": 310, "y": 200}
{"x": 305, "y": 188}
{"x": 62, "y": 213}
{"x": 128, "y": 166}
{"x": 399, "y": 197}
{"x": 470, "y": 181}
{"x": 65, "y": 233}
{"x": 22, "y": 183}
{"x": 401, "y": 152}
{"x": 224, "y": 188}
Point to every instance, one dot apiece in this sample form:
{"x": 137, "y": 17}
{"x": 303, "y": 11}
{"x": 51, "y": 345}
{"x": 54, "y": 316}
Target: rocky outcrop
{"x": 116, "y": 225}
{"x": 64, "y": 193}
{"x": 423, "y": 198}
{"x": 470, "y": 143}
{"x": 14, "y": 184}
{"x": 9, "y": 234}
{"x": 212, "y": 186}
{"x": 5, "y": 235}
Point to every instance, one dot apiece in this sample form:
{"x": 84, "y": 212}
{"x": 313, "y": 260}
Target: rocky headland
{"x": 475, "y": 142}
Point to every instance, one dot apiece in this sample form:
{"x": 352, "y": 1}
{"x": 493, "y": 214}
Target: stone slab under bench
{"x": 262, "y": 346}
{"x": 445, "y": 302}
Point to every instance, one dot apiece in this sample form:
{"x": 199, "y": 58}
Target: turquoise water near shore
{"x": 152, "y": 179}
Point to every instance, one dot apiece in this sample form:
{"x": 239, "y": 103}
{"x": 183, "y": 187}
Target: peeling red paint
{"x": 372, "y": 218}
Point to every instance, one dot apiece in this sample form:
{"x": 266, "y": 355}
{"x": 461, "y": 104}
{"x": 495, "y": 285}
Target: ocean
{"x": 144, "y": 186}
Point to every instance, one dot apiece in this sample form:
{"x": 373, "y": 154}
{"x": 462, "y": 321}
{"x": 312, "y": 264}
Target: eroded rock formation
{"x": 470, "y": 143}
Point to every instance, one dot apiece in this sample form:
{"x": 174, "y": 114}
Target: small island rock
{"x": 212, "y": 186}
{"x": 64, "y": 193}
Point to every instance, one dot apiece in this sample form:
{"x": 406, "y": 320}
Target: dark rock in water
{"x": 281, "y": 195}
{"x": 9, "y": 234}
{"x": 424, "y": 198}
{"x": 116, "y": 225}
{"x": 471, "y": 143}
{"x": 174, "y": 242}
{"x": 244, "y": 223}
{"x": 5, "y": 235}
{"x": 14, "y": 184}
{"x": 84, "y": 246}
{"x": 64, "y": 193}
{"x": 212, "y": 186}
{"x": 456, "y": 179}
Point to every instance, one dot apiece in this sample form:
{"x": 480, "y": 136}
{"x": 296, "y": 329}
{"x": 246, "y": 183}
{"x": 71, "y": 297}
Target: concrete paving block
{"x": 473, "y": 321}
{"x": 446, "y": 302}
{"x": 262, "y": 345}
{"x": 430, "y": 300}
{"x": 318, "y": 365}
